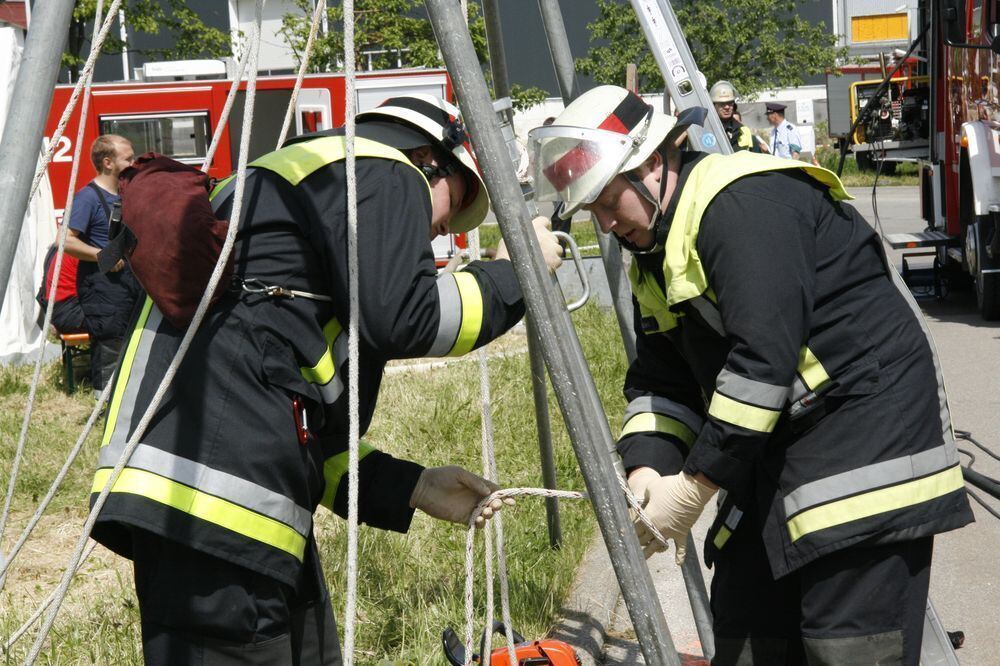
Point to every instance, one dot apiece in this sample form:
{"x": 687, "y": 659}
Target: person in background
{"x": 785, "y": 139}
{"x": 759, "y": 145}
{"x": 107, "y": 300}
{"x": 723, "y": 96}
{"x": 67, "y": 317}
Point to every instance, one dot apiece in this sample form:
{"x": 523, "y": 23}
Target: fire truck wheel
{"x": 986, "y": 269}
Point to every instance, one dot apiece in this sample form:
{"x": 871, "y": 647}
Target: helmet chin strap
{"x": 656, "y": 224}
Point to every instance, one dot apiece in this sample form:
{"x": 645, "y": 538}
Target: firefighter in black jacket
{"x": 778, "y": 358}
{"x": 723, "y": 96}
{"x": 215, "y": 506}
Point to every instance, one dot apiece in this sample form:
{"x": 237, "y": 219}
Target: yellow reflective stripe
{"x": 335, "y": 468}
{"x": 322, "y": 372}
{"x": 472, "y": 314}
{"x": 125, "y": 370}
{"x": 206, "y": 507}
{"x": 746, "y": 416}
{"x": 296, "y": 162}
{"x": 813, "y": 373}
{"x": 326, "y": 366}
{"x": 745, "y": 139}
{"x": 650, "y": 422}
{"x": 875, "y": 502}
{"x": 221, "y": 184}
{"x": 331, "y": 330}
{"x": 721, "y": 537}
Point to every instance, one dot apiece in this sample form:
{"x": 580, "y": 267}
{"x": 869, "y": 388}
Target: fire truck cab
{"x": 176, "y": 111}
{"x": 942, "y": 111}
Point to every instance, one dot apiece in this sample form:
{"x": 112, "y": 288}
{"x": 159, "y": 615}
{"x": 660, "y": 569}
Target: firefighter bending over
{"x": 215, "y": 506}
{"x": 779, "y": 358}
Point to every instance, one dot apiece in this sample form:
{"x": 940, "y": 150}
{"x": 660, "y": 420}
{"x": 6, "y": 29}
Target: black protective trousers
{"x": 859, "y": 606}
{"x": 199, "y": 610}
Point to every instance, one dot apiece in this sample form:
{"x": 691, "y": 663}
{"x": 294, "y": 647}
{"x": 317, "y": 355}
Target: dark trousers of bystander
{"x": 200, "y": 610}
{"x": 860, "y": 605}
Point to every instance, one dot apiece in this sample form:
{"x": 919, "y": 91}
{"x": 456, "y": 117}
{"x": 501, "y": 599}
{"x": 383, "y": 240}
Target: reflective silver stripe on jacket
{"x": 450, "y": 323}
{"x": 658, "y": 405}
{"x": 869, "y": 477}
{"x": 709, "y": 313}
{"x": 799, "y": 390}
{"x": 127, "y": 416}
{"x": 333, "y": 389}
{"x": 214, "y": 482}
{"x": 751, "y": 391}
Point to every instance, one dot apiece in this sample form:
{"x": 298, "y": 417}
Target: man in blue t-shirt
{"x": 107, "y": 299}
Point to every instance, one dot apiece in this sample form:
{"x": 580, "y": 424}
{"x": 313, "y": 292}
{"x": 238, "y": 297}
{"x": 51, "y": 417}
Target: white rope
{"x": 494, "y": 530}
{"x": 470, "y": 557}
{"x": 181, "y": 351}
{"x": 74, "y": 452}
{"x": 350, "y": 607}
{"x": 306, "y": 57}
{"x": 14, "y": 637}
{"x": 85, "y": 81}
{"x": 506, "y": 493}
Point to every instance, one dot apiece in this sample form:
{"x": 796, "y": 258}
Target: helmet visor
{"x": 573, "y": 164}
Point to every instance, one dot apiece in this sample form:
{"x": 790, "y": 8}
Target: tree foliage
{"x": 755, "y": 44}
{"x": 387, "y": 34}
{"x": 191, "y": 37}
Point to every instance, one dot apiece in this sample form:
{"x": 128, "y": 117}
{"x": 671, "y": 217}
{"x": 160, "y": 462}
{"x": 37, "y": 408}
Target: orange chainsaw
{"x": 546, "y": 652}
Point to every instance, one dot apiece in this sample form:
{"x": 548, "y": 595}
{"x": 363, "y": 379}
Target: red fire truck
{"x": 178, "y": 118}
{"x": 958, "y": 89}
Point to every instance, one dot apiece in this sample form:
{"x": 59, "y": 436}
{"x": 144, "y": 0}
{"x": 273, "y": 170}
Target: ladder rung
{"x": 921, "y": 239}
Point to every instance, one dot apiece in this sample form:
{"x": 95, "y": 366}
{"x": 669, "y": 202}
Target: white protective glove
{"x": 452, "y": 493}
{"x": 552, "y": 251}
{"x": 639, "y": 480}
{"x": 673, "y": 504}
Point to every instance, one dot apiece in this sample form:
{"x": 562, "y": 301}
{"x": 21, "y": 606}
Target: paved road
{"x": 964, "y": 581}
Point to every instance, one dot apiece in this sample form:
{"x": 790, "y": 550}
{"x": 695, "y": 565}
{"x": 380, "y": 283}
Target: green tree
{"x": 191, "y": 37}
{"x": 387, "y": 34}
{"x": 755, "y": 44}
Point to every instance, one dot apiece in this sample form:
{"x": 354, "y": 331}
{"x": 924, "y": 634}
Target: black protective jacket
{"x": 802, "y": 381}
{"x": 252, "y": 435}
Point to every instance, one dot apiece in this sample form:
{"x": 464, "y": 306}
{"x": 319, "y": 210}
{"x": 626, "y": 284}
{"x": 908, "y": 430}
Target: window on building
{"x": 181, "y": 136}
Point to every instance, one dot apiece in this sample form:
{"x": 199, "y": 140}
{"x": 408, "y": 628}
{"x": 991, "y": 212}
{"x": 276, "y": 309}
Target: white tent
{"x": 20, "y": 336}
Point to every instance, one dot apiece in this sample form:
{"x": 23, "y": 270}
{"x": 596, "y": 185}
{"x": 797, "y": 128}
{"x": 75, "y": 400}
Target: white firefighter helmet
{"x": 604, "y": 132}
{"x": 441, "y": 122}
{"x": 722, "y": 91}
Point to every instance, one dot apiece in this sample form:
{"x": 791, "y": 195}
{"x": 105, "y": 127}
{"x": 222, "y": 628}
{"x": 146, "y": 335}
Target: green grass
{"x": 410, "y": 586}
{"x": 906, "y": 173}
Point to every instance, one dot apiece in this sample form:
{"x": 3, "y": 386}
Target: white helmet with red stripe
{"x": 442, "y": 123}
{"x": 602, "y": 133}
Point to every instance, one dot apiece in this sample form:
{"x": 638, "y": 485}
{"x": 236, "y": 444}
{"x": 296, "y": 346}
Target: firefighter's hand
{"x": 451, "y": 493}
{"x": 638, "y": 481}
{"x": 673, "y": 504}
{"x": 549, "y": 245}
{"x": 117, "y": 267}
